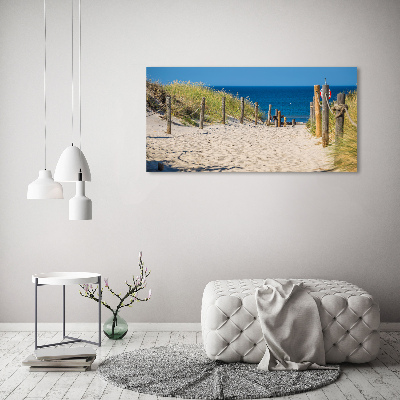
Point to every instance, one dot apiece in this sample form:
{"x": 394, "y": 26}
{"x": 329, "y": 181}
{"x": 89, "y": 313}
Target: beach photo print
{"x": 251, "y": 119}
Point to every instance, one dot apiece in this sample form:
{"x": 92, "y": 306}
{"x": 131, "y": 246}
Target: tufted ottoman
{"x": 231, "y": 330}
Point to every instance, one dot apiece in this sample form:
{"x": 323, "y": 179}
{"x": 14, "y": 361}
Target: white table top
{"x": 65, "y": 278}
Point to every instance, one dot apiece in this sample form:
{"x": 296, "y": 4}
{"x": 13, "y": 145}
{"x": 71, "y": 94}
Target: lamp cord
{"x": 79, "y": 88}
{"x": 79, "y": 85}
{"x": 44, "y": 84}
{"x": 72, "y": 69}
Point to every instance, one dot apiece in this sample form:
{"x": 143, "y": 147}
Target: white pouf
{"x": 231, "y": 330}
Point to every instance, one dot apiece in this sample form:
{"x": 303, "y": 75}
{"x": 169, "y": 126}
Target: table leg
{"x": 63, "y": 311}
{"x": 100, "y": 297}
{"x": 36, "y": 286}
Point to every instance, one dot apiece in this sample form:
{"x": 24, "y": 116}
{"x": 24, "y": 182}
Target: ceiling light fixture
{"x": 44, "y": 186}
{"x": 72, "y": 165}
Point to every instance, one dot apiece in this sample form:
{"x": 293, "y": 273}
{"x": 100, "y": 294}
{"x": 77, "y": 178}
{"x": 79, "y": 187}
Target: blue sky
{"x": 256, "y": 76}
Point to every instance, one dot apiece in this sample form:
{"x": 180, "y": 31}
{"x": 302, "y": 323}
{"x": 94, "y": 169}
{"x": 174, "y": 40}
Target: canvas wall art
{"x": 251, "y": 119}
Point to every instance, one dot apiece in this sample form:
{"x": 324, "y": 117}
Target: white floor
{"x": 379, "y": 379}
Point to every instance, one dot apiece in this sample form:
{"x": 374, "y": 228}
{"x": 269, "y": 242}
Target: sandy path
{"x": 234, "y": 147}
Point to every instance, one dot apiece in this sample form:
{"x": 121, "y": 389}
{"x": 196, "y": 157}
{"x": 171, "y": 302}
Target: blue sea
{"x": 292, "y": 101}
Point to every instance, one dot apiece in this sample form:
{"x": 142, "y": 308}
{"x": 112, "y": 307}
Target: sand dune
{"x": 234, "y": 147}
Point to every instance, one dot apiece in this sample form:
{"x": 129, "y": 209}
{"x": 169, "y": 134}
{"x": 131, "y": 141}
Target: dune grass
{"x": 186, "y": 100}
{"x": 345, "y": 151}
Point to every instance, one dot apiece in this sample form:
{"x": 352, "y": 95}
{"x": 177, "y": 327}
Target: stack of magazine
{"x": 77, "y": 359}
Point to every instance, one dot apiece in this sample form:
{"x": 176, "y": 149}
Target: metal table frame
{"x": 73, "y": 339}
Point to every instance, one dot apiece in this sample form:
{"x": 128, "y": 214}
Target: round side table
{"x": 66, "y": 278}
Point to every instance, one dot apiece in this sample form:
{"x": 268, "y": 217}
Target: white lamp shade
{"x": 80, "y": 206}
{"x": 71, "y": 161}
{"x": 44, "y": 187}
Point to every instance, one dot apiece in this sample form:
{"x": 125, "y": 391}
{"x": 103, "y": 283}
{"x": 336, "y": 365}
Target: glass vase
{"x": 115, "y": 327}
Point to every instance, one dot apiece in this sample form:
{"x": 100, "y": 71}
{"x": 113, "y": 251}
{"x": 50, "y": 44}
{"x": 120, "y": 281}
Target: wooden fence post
{"x": 223, "y": 110}
{"x": 317, "y": 111}
{"x": 269, "y": 114}
{"x": 293, "y": 122}
{"x": 168, "y": 103}
{"x": 284, "y": 121}
{"x": 203, "y": 106}
{"x": 279, "y": 118}
{"x": 276, "y": 117}
{"x": 341, "y": 100}
{"x": 325, "y": 115}
{"x": 256, "y": 112}
{"x": 241, "y": 109}
{"x": 311, "y": 112}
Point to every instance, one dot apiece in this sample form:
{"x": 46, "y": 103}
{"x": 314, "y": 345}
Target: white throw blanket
{"x": 291, "y": 327}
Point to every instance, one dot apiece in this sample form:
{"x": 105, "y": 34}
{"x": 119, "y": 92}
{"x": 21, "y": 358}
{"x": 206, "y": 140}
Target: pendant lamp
{"x": 72, "y": 165}
{"x": 72, "y": 162}
{"x": 44, "y": 186}
{"x": 80, "y": 206}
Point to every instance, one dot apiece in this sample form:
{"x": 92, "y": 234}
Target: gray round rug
{"x": 185, "y": 371}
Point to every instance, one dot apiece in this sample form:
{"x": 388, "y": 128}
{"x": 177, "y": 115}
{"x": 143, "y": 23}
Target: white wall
{"x": 192, "y": 228}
